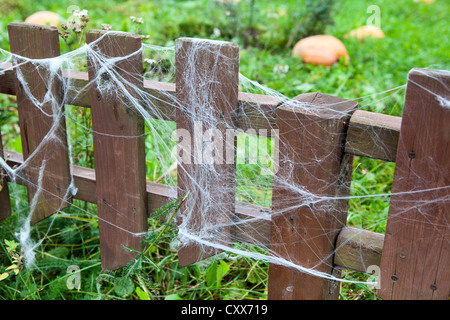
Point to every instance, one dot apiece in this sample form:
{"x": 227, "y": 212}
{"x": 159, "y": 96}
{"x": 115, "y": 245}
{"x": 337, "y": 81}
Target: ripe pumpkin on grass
{"x": 366, "y": 31}
{"x": 320, "y": 50}
{"x": 43, "y": 18}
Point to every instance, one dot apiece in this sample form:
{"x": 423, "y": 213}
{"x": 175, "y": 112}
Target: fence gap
{"x": 312, "y": 133}
{"x": 119, "y": 150}
{"x": 39, "y": 122}
{"x": 416, "y": 255}
{"x": 207, "y": 75}
{"x": 5, "y": 202}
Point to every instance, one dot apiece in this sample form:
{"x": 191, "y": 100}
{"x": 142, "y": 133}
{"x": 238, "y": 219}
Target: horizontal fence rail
{"x": 369, "y": 134}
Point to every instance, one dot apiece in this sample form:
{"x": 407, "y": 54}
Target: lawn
{"x": 416, "y": 36}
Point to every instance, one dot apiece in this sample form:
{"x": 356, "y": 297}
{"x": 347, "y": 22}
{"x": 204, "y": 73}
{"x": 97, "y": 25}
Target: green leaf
{"x": 215, "y": 273}
{"x": 173, "y": 297}
{"x": 16, "y": 144}
{"x": 222, "y": 270}
{"x": 13, "y": 266}
{"x": 11, "y": 245}
{"x": 252, "y": 278}
{"x": 125, "y": 287}
{"x": 142, "y": 294}
{"x": 211, "y": 274}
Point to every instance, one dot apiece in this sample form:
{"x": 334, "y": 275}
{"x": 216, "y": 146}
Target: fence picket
{"x": 213, "y": 73}
{"x": 40, "y": 42}
{"x": 5, "y": 204}
{"x": 311, "y": 138}
{"x": 119, "y": 150}
{"x": 416, "y": 255}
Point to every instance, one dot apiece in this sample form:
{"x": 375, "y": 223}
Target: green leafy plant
{"x": 215, "y": 273}
{"x": 77, "y": 24}
{"x": 16, "y": 259}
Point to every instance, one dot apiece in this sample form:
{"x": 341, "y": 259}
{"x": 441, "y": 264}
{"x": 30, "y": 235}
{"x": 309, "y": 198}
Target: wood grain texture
{"x": 312, "y": 165}
{"x": 416, "y": 253}
{"x": 358, "y": 249}
{"x": 373, "y": 135}
{"x": 207, "y": 74}
{"x": 119, "y": 150}
{"x": 5, "y": 202}
{"x": 42, "y": 127}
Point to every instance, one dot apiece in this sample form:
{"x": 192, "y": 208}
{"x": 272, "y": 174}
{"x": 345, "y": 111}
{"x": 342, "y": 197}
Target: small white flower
{"x": 106, "y": 27}
{"x": 137, "y": 20}
{"x": 281, "y": 69}
{"x": 80, "y": 14}
{"x": 216, "y": 32}
{"x": 150, "y": 61}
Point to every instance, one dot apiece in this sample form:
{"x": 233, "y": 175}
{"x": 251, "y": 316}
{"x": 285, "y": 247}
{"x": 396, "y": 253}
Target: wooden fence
{"x": 414, "y": 254}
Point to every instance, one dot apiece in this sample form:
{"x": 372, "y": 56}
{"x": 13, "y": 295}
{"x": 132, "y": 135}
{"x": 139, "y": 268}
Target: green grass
{"x": 416, "y": 36}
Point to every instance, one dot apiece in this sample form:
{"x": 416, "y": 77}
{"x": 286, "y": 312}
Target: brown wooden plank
{"x": 369, "y": 135}
{"x": 373, "y": 135}
{"x": 7, "y": 79}
{"x": 207, "y": 74}
{"x": 5, "y": 202}
{"x": 38, "y": 122}
{"x": 358, "y": 249}
{"x": 305, "y": 227}
{"x": 119, "y": 150}
{"x": 416, "y": 253}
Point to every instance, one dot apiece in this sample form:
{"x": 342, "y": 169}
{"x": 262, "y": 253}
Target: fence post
{"x": 306, "y": 219}
{"x": 38, "y": 122}
{"x": 416, "y": 255}
{"x": 119, "y": 149}
{"x": 5, "y": 203}
{"x": 207, "y": 75}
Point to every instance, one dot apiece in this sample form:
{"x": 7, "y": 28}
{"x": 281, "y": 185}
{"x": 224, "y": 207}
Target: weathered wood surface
{"x": 306, "y": 219}
{"x": 373, "y": 135}
{"x": 369, "y": 134}
{"x": 42, "y": 124}
{"x": 119, "y": 150}
{"x": 207, "y": 74}
{"x": 358, "y": 249}
{"x": 5, "y": 202}
{"x": 416, "y": 253}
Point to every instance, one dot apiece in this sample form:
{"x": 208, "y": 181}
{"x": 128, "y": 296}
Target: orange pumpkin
{"x": 43, "y": 18}
{"x": 366, "y": 31}
{"x": 320, "y": 50}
